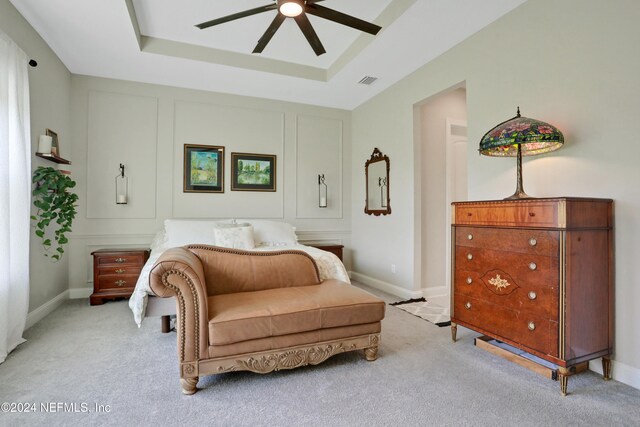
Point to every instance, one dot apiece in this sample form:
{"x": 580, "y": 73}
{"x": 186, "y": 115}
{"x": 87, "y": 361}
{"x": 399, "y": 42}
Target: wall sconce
{"x": 322, "y": 192}
{"x": 382, "y": 183}
{"x": 122, "y": 184}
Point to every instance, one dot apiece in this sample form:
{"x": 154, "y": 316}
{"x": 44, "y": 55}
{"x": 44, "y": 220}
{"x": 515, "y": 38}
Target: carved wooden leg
{"x": 189, "y": 385}
{"x": 606, "y": 368}
{"x": 454, "y": 331}
{"x": 371, "y": 353}
{"x": 563, "y": 377}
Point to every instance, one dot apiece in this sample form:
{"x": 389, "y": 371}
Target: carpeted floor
{"x": 96, "y": 355}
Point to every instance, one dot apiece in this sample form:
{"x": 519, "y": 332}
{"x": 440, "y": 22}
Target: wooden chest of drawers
{"x": 115, "y": 273}
{"x": 538, "y": 275}
{"x": 334, "y": 249}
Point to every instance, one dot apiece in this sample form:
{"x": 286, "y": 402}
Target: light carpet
{"x": 83, "y": 354}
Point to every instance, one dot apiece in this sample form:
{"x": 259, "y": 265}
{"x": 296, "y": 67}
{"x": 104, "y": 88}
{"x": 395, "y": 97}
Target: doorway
{"x": 442, "y": 174}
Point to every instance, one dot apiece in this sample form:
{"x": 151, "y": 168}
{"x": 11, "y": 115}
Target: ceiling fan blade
{"x": 310, "y": 33}
{"x": 266, "y": 37}
{"x": 238, "y": 15}
{"x": 341, "y": 18}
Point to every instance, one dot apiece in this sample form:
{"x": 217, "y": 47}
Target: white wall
{"x": 50, "y": 87}
{"x": 146, "y": 126}
{"x": 433, "y": 175}
{"x": 572, "y": 63}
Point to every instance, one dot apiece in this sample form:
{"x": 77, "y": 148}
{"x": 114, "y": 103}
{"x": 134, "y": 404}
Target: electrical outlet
{"x": 393, "y": 268}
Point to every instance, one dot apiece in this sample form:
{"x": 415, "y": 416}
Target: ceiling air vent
{"x": 367, "y": 80}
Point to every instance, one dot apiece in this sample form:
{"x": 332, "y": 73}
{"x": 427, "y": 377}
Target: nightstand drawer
{"x": 541, "y": 242}
{"x": 118, "y": 281}
{"x": 119, "y": 269}
{"x": 121, "y": 259}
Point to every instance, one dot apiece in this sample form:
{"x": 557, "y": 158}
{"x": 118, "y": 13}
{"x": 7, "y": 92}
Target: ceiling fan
{"x": 298, "y": 10}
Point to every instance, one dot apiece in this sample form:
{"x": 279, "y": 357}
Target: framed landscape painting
{"x": 203, "y": 169}
{"x": 253, "y": 172}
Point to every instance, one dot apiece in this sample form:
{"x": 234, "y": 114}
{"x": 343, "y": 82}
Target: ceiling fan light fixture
{"x": 290, "y": 8}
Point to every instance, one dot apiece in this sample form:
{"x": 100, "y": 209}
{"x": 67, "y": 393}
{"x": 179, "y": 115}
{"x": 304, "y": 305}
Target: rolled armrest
{"x": 179, "y": 272}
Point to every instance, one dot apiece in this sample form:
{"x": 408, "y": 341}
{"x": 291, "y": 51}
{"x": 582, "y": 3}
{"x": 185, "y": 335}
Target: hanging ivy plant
{"x": 56, "y": 208}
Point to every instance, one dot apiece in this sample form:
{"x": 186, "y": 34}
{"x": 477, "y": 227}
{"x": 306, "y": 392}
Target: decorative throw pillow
{"x": 237, "y": 237}
{"x": 272, "y": 233}
{"x": 181, "y": 232}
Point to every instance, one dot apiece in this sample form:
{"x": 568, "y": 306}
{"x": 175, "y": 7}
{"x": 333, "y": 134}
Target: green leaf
{"x": 39, "y": 233}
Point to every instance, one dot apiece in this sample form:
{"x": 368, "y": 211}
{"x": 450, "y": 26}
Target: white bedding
{"x": 329, "y": 266}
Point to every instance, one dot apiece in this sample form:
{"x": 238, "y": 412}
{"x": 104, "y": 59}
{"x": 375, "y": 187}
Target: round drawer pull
{"x": 532, "y": 295}
{"x": 120, "y": 282}
{"x": 469, "y": 257}
{"x": 533, "y": 266}
{"x": 531, "y": 326}
{"x": 470, "y": 236}
{"x": 533, "y": 241}
{"x": 468, "y": 306}
{"x": 469, "y": 280}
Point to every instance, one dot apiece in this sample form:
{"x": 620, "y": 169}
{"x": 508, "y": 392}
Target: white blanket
{"x": 329, "y": 266}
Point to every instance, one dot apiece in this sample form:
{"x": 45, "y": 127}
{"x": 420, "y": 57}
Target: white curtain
{"x": 15, "y": 194}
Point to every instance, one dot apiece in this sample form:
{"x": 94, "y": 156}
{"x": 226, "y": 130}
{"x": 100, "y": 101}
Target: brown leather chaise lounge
{"x": 260, "y": 311}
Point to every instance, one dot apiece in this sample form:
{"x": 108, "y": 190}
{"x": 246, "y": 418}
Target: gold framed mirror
{"x": 376, "y": 172}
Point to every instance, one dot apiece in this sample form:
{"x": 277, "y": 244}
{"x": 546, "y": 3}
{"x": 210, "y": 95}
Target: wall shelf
{"x": 53, "y": 158}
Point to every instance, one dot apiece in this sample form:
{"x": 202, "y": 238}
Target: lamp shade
{"x": 533, "y": 136}
{"x": 517, "y": 137}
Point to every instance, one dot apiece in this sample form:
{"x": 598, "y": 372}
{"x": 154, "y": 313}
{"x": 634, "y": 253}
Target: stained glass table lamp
{"x": 517, "y": 137}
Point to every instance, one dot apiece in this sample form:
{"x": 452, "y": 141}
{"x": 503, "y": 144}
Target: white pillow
{"x": 180, "y": 232}
{"x": 236, "y": 237}
{"x": 272, "y": 233}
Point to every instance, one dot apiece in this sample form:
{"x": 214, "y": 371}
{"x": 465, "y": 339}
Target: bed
{"x": 249, "y": 234}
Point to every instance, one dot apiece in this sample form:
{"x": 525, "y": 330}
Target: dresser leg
{"x": 563, "y": 377}
{"x": 454, "y": 331}
{"x": 606, "y": 368}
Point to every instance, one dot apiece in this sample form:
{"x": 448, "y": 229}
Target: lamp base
{"x": 518, "y": 195}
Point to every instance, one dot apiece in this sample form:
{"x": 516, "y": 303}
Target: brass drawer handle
{"x": 470, "y": 236}
{"x": 120, "y": 259}
{"x": 531, "y": 326}
{"x": 120, "y": 270}
{"x": 533, "y": 266}
{"x": 469, "y": 280}
{"x": 532, "y": 295}
{"x": 533, "y": 241}
{"x": 120, "y": 282}
{"x": 469, "y": 257}
{"x": 468, "y": 306}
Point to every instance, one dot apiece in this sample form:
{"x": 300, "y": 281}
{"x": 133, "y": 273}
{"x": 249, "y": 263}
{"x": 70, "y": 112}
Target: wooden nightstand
{"x": 334, "y": 249}
{"x": 115, "y": 273}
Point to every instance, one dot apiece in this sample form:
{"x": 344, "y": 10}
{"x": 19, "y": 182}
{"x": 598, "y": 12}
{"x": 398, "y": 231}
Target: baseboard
{"x": 48, "y": 307}
{"x": 78, "y": 293}
{"x": 385, "y": 286}
{"x": 435, "y": 292}
{"x": 620, "y": 372}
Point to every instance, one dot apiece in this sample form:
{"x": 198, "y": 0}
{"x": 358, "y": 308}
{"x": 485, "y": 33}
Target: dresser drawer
{"x": 523, "y": 213}
{"x": 116, "y": 281}
{"x": 534, "y": 332}
{"x": 533, "y": 241}
{"x": 121, "y": 259}
{"x": 525, "y": 270}
{"x": 540, "y": 300}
